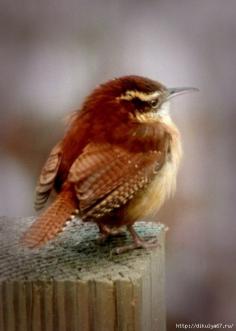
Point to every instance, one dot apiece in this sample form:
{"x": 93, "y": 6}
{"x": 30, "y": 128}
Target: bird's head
{"x": 137, "y": 98}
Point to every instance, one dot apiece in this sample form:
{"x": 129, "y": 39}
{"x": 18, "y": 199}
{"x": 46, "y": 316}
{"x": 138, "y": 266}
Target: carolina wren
{"x": 116, "y": 164}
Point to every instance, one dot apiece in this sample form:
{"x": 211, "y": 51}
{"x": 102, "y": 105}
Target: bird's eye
{"x": 154, "y": 103}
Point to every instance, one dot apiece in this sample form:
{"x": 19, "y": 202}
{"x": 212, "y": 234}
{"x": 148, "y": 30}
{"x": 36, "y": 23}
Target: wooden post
{"x": 73, "y": 283}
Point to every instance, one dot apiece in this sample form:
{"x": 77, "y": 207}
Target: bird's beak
{"x": 172, "y": 92}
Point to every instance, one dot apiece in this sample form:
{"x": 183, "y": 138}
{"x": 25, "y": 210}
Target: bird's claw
{"x": 137, "y": 244}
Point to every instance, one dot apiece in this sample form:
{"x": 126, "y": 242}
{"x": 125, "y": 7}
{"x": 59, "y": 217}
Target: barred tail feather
{"x": 51, "y": 222}
{"x": 47, "y": 177}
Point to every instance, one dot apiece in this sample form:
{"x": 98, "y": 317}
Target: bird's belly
{"x": 149, "y": 201}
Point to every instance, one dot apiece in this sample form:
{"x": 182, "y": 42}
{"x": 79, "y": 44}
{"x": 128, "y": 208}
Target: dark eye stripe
{"x": 139, "y": 104}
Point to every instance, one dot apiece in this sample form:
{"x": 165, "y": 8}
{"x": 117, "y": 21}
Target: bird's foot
{"x": 106, "y": 233}
{"x": 135, "y": 245}
{"x": 138, "y": 242}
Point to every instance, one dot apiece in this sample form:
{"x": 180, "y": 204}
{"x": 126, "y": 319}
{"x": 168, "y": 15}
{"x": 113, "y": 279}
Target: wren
{"x": 116, "y": 164}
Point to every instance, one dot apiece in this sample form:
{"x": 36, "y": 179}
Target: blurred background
{"x": 53, "y": 53}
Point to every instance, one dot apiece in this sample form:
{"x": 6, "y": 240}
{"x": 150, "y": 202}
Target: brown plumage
{"x": 116, "y": 164}
{"x": 52, "y": 220}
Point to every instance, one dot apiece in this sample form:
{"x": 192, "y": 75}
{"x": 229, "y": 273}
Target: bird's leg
{"x": 138, "y": 242}
{"x": 106, "y": 232}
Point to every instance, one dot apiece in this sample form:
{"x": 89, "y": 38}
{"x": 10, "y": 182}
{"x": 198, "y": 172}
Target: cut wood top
{"x": 74, "y": 254}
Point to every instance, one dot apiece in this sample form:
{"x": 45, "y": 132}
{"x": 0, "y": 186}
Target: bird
{"x": 116, "y": 164}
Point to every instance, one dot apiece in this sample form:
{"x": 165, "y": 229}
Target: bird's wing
{"x": 107, "y": 176}
{"x": 47, "y": 177}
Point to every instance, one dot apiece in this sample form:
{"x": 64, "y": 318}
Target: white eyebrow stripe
{"x": 129, "y": 95}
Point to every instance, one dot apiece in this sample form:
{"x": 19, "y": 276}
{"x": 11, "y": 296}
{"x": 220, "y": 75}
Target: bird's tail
{"x": 52, "y": 220}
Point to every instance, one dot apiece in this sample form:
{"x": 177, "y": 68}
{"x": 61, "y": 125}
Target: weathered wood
{"x": 73, "y": 283}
